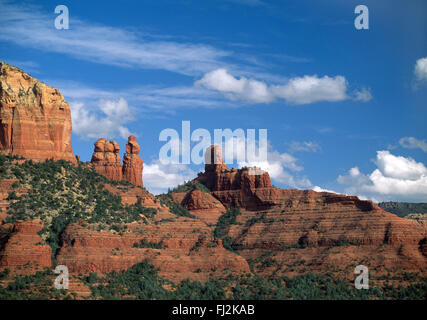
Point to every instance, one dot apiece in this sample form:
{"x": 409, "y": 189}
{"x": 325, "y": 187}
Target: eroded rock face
{"x": 132, "y": 163}
{"x": 201, "y": 204}
{"x": 324, "y": 231}
{"x": 217, "y": 177}
{"x": 106, "y": 159}
{"x": 234, "y": 187}
{"x": 91, "y": 251}
{"x": 35, "y": 120}
{"x": 23, "y": 250}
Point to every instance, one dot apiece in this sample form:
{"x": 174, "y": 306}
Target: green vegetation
{"x": 198, "y": 244}
{"x": 190, "y": 186}
{"x": 142, "y": 282}
{"x": 262, "y": 218}
{"x": 60, "y": 193}
{"x": 223, "y": 226}
{"x": 37, "y": 286}
{"x": 402, "y": 209}
{"x": 174, "y": 207}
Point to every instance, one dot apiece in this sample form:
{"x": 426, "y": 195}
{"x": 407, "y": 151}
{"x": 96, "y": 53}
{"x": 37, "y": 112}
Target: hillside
{"x": 68, "y": 214}
{"x": 403, "y": 209}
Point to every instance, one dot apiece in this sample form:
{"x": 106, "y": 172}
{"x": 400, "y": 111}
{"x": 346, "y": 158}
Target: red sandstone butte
{"x": 106, "y": 159}
{"x": 35, "y": 120}
{"x": 132, "y": 163}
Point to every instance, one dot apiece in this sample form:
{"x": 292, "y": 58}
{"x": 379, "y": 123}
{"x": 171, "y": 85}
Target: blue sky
{"x": 345, "y": 109}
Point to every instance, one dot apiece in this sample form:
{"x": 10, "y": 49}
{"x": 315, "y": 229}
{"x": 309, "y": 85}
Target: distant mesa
{"x": 106, "y": 160}
{"x": 35, "y": 120}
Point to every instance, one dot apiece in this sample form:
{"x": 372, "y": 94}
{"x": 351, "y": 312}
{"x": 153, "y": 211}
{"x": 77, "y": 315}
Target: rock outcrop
{"x": 22, "y": 250}
{"x": 217, "y": 177}
{"x": 132, "y": 163}
{"x": 234, "y": 187}
{"x": 106, "y": 159}
{"x": 91, "y": 251}
{"x": 201, "y": 204}
{"x": 35, "y": 120}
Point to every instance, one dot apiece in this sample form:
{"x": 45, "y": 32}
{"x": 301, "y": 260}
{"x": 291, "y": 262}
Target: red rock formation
{"x": 35, "y": 120}
{"x": 234, "y": 187}
{"x": 213, "y": 159}
{"x": 203, "y": 205}
{"x": 23, "y": 250}
{"x": 91, "y": 251}
{"x": 217, "y": 177}
{"x": 132, "y": 163}
{"x": 106, "y": 159}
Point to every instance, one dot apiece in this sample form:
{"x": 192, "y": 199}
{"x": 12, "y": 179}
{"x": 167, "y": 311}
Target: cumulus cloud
{"x": 420, "y": 69}
{"x": 307, "y": 146}
{"x": 309, "y": 89}
{"x": 298, "y": 90}
{"x": 106, "y": 119}
{"x": 413, "y": 143}
{"x": 363, "y": 95}
{"x": 250, "y": 90}
{"x": 395, "y": 178}
{"x": 159, "y": 177}
{"x": 282, "y": 167}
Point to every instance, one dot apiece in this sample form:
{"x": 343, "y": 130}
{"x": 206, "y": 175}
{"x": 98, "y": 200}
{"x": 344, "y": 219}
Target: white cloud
{"x": 27, "y": 26}
{"x": 363, "y": 95}
{"x": 420, "y": 69}
{"x": 310, "y": 89}
{"x": 298, "y": 90}
{"x": 413, "y": 143}
{"x": 396, "y": 178}
{"x": 250, "y": 90}
{"x": 319, "y": 189}
{"x": 307, "y": 146}
{"x": 106, "y": 119}
{"x": 399, "y": 167}
{"x": 278, "y": 165}
{"x": 158, "y": 177}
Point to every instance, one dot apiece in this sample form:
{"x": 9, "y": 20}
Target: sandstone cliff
{"x": 35, "y": 120}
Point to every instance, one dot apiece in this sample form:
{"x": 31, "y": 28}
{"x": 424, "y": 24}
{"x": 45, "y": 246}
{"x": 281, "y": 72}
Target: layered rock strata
{"x": 35, "y": 119}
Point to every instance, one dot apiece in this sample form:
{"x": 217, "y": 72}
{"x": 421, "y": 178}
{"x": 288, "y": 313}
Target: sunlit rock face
{"x": 35, "y": 120}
